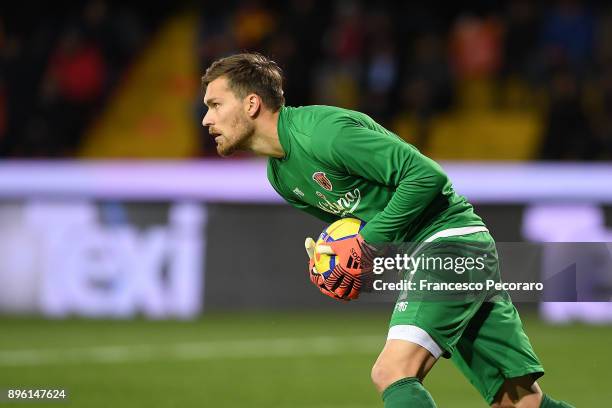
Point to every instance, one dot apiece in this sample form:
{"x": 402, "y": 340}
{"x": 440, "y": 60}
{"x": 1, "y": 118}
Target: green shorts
{"x": 479, "y": 330}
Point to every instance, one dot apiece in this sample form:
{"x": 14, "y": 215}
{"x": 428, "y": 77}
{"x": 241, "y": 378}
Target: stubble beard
{"x": 244, "y": 130}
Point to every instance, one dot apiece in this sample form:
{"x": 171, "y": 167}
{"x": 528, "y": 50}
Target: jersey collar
{"x": 283, "y": 132}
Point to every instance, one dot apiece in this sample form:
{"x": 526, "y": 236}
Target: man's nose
{"x": 206, "y": 120}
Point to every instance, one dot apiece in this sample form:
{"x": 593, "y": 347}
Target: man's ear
{"x": 252, "y": 104}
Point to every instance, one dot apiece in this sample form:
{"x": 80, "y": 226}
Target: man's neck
{"x": 266, "y": 141}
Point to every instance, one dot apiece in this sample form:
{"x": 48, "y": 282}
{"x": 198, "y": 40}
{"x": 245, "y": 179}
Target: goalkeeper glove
{"x": 315, "y": 277}
{"x": 353, "y": 271}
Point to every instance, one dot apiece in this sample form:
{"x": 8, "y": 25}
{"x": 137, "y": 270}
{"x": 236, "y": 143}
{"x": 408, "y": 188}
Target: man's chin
{"x": 225, "y": 152}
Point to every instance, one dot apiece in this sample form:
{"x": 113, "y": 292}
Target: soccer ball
{"x": 344, "y": 228}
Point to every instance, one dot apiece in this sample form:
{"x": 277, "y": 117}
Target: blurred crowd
{"x": 388, "y": 59}
{"x": 58, "y": 66}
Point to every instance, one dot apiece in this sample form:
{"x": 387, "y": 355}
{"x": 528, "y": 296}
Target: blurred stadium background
{"x": 133, "y": 262}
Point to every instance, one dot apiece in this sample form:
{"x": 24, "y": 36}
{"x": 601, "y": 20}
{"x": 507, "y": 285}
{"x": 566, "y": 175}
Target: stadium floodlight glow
{"x": 244, "y": 180}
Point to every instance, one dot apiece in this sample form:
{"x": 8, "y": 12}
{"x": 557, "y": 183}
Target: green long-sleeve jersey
{"x": 341, "y": 163}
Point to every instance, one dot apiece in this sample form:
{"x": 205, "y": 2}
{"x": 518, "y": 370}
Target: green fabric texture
{"x": 341, "y": 163}
{"x": 548, "y": 402}
{"x": 407, "y": 393}
{"x": 482, "y": 331}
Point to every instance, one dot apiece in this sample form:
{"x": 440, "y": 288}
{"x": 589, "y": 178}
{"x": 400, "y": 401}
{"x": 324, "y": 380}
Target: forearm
{"x": 409, "y": 201}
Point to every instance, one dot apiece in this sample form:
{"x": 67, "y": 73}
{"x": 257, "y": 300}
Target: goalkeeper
{"x": 333, "y": 163}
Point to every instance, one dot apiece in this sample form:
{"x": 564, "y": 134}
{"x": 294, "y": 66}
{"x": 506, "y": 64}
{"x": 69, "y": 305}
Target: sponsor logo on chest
{"x": 343, "y": 206}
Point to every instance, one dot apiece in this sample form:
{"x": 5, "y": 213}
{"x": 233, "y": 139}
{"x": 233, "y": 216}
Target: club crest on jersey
{"x": 322, "y": 180}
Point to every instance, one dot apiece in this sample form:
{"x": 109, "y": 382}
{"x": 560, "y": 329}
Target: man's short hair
{"x": 249, "y": 73}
